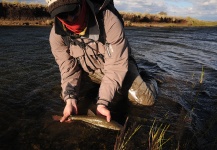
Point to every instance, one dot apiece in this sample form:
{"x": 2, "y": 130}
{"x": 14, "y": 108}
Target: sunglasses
{"x": 73, "y": 13}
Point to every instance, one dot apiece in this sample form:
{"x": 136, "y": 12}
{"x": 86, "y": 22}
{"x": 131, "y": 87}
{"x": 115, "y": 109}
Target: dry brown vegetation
{"x": 162, "y": 20}
{"x": 15, "y": 13}
{"x": 138, "y": 19}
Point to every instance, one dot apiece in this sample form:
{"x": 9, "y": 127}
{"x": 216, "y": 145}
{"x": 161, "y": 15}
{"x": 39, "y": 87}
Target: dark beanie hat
{"x": 59, "y": 6}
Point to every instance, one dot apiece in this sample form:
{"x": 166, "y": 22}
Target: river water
{"x": 183, "y": 60}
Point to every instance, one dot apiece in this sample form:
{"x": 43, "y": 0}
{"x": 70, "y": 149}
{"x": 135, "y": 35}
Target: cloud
{"x": 142, "y": 6}
{"x": 200, "y": 9}
{"x": 204, "y": 9}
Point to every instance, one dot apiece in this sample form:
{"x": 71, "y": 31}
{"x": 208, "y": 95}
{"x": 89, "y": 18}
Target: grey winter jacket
{"x": 73, "y": 60}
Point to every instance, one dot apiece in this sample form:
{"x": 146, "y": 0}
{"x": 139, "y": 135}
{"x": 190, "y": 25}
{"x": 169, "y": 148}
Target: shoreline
{"x": 25, "y": 22}
{"x": 48, "y": 22}
{"x": 166, "y": 25}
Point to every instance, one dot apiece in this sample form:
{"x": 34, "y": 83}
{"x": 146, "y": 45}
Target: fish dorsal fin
{"x": 90, "y": 113}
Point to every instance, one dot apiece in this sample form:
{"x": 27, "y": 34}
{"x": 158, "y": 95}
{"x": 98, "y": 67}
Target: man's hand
{"x": 71, "y": 107}
{"x": 102, "y": 110}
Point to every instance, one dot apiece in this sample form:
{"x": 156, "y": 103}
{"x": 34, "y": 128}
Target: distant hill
{"x": 15, "y": 13}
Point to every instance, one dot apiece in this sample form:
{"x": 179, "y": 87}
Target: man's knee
{"x": 143, "y": 93}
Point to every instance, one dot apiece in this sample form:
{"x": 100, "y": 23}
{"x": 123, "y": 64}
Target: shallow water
{"x": 30, "y": 86}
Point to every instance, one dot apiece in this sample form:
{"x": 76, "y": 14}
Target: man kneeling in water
{"x": 89, "y": 37}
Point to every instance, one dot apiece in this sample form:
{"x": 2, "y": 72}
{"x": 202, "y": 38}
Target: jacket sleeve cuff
{"x": 70, "y": 97}
{"x": 103, "y": 102}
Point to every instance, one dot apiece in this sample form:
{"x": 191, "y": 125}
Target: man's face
{"x": 71, "y": 16}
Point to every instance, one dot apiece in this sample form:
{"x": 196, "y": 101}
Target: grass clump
{"x": 125, "y": 136}
{"x": 156, "y": 136}
{"x": 155, "y": 141}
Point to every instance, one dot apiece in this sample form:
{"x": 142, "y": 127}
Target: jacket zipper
{"x": 107, "y": 49}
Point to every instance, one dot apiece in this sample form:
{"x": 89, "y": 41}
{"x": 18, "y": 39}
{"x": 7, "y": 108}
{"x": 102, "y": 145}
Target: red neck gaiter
{"x": 80, "y": 23}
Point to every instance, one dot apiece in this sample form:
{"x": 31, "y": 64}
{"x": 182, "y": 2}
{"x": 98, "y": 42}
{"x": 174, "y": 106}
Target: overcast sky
{"x": 199, "y": 9}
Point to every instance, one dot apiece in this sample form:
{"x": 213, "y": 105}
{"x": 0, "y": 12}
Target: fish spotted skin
{"x": 94, "y": 120}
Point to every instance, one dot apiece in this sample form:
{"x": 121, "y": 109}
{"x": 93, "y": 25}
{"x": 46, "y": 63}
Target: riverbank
{"x": 5, "y": 22}
{"x": 193, "y": 23}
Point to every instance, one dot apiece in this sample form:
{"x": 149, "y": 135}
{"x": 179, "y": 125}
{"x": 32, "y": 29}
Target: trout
{"x": 93, "y": 120}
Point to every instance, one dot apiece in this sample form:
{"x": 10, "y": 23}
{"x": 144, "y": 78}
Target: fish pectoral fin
{"x": 90, "y": 113}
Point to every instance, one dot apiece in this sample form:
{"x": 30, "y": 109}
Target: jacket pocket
{"x": 91, "y": 57}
